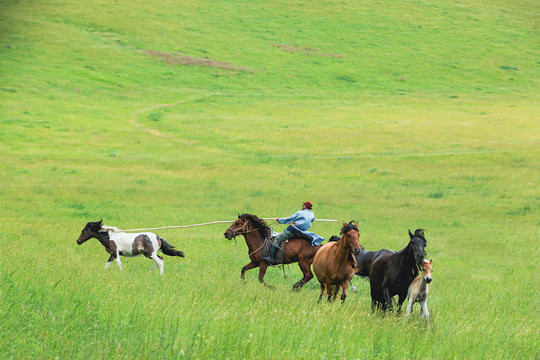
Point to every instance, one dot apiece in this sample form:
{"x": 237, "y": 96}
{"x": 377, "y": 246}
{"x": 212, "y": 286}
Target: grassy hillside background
{"x": 397, "y": 114}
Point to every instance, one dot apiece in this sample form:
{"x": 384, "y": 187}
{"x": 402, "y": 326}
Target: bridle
{"x": 236, "y": 232}
{"x": 245, "y": 226}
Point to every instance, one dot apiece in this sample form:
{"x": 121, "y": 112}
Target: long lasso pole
{"x": 328, "y": 220}
{"x": 204, "y": 224}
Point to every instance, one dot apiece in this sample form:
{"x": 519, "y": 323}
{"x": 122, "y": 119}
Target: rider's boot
{"x": 270, "y": 259}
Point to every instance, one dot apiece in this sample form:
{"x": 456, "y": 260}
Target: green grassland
{"x": 397, "y": 114}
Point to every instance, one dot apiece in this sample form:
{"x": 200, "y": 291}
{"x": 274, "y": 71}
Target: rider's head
{"x": 307, "y": 205}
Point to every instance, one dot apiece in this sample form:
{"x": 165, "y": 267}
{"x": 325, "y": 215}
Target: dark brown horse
{"x": 255, "y": 231}
{"x": 334, "y": 264}
{"x": 391, "y": 272}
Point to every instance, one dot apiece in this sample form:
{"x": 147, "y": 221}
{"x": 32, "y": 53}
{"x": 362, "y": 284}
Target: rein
{"x": 242, "y": 260}
{"x": 235, "y": 232}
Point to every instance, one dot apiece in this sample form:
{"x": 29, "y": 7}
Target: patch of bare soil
{"x": 177, "y": 58}
{"x": 306, "y": 51}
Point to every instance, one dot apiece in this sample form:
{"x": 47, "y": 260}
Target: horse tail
{"x": 168, "y": 249}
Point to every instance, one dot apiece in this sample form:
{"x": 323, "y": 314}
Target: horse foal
{"x": 419, "y": 289}
{"x": 118, "y": 244}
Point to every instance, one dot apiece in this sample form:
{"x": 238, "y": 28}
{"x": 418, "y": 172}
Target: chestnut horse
{"x": 334, "y": 264}
{"x": 255, "y": 231}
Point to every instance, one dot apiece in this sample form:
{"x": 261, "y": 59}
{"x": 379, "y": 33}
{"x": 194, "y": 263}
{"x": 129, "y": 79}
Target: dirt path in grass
{"x": 133, "y": 119}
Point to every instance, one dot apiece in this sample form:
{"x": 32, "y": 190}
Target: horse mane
{"x": 105, "y": 228}
{"x": 263, "y": 227}
{"x": 349, "y": 226}
{"x": 420, "y": 233}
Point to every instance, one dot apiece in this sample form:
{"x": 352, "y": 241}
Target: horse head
{"x": 239, "y": 227}
{"x": 427, "y": 269}
{"x": 89, "y": 231}
{"x": 352, "y": 234}
{"x": 417, "y": 246}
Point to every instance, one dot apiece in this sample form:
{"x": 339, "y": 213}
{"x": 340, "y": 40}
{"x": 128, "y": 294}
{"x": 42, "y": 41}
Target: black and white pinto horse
{"x": 119, "y": 243}
{"x": 391, "y": 272}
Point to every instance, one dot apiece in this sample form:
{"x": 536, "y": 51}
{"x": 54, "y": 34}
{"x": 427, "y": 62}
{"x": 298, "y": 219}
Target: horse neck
{"x": 343, "y": 247}
{"x": 404, "y": 256}
{"x": 254, "y": 240}
{"x": 422, "y": 284}
{"x": 103, "y": 237}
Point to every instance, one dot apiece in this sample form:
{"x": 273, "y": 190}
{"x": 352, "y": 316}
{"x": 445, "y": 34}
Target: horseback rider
{"x": 300, "y": 222}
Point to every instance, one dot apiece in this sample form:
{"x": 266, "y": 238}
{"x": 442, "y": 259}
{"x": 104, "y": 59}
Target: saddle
{"x": 302, "y": 236}
{"x": 267, "y": 246}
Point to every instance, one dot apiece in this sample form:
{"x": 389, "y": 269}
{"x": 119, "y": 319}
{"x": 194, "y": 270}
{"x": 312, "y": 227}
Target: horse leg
{"x": 158, "y": 261}
{"x": 424, "y": 310}
{"x": 410, "y": 304}
{"x": 344, "y": 291}
{"x": 335, "y": 290}
{"x": 374, "y": 297}
{"x": 401, "y": 299}
{"x": 249, "y": 266}
{"x": 118, "y": 259}
{"x": 329, "y": 290}
{"x": 308, "y": 275}
{"x": 353, "y": 288}
{"x": 262, "y": 270}
{"x": 322, "y": 292}
{"x": 155, "y": 266}
{"x": 387, "y": 299}
{"x": 111, "y": 258}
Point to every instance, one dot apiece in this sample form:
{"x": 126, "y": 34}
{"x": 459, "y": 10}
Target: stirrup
{"x": 271, "y": 261}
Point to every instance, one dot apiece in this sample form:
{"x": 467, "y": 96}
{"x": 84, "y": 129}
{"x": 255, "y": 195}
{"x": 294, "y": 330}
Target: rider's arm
{"x": 289, "y": 219}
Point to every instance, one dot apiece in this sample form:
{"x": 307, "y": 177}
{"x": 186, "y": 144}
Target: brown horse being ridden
{"x": 334, "y": 264}
{"x": 255, "y": 231}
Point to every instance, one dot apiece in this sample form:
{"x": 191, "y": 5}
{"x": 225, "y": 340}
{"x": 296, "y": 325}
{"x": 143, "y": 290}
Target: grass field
{"x": 397, "y": 114}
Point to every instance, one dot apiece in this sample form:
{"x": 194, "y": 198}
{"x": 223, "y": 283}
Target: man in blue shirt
{"x": 300, "y": 223}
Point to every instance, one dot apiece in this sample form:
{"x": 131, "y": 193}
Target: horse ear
{"x": 430, "y": 261}
{"x": 100, "y": 222}
{"x": 410, "y": 234}
{"x": 344, "y": 223}
{"x": 356, "y": 225}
